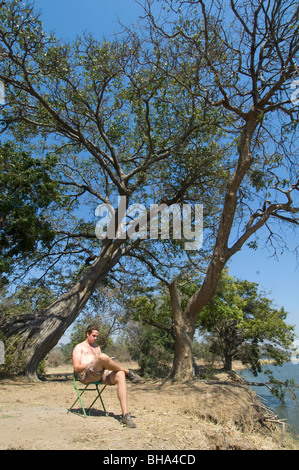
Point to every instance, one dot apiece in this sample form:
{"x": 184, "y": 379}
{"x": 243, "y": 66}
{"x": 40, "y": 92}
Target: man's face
{"x": 92, "y": 337}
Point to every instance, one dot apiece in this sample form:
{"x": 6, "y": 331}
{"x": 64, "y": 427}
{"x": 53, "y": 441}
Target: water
{"x": 288, "y": 410}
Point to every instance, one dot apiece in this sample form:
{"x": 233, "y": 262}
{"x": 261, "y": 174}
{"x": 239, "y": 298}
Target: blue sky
{"x": 71, "y": 17}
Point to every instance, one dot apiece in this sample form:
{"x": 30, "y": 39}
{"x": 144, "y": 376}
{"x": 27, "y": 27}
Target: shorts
{"x": 90, "y": 375}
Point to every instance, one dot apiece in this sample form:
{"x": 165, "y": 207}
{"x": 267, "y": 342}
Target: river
{"x": 288, "y": 410}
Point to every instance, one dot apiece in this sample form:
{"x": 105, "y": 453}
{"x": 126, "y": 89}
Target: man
{"x": 92, "y": 365}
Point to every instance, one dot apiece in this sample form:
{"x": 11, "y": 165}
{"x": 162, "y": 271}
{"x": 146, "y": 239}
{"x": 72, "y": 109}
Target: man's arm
{"x": 78, "y": 367}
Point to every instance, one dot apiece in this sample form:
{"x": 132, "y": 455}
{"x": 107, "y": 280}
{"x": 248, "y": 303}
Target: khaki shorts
{"x": 90, "y": 375}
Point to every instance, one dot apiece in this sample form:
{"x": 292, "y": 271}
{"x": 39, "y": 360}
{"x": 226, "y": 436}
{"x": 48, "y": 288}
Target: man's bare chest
{"x": 89, "y": 353}
{"x": 90, "y": 350}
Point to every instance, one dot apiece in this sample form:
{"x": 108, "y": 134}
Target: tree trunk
{"x": 185, "y": 322}
{"x": 228, "y": 363}
{"x": 40, "y": 332}
{"x": 182, "y": 368}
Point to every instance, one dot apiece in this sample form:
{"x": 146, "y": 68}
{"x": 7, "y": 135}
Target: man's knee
{"x": 115, "y": 378}
{"x": 102, "y": 357}
{"x": 120, "y": 376}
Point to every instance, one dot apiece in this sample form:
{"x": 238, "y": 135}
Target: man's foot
{"x": 133, "y": 377}
{"x": 127, "y": 421}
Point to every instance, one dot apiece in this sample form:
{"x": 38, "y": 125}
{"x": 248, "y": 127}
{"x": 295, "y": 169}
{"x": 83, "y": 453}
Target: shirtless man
{"x": 92, "y": 365}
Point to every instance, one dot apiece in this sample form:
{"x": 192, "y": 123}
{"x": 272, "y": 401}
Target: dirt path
{"x": 201, "y": 415}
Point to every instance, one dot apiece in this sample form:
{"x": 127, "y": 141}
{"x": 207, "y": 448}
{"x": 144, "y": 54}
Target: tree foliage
{"x": 115, "y": 122}
{"x": 27, "y": 192}
{"x": 244, "y": 324}
{"x": 117, "y": 126}
{"x": 249, "y": 54}
{"x": 193, "y": 107}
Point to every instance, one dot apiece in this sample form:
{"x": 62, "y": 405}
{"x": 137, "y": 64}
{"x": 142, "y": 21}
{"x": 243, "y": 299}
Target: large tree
{"x": 117, "y": 126}
{"x": 249, "y": 51}
{"x": 243, "y": 323}
{"x": 137, "y": 117}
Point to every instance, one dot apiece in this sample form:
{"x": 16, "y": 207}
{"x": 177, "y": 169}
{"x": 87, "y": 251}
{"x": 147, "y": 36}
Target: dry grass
{"x": 204, "y": 415}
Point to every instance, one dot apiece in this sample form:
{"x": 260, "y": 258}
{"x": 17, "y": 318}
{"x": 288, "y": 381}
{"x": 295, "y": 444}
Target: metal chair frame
{"x": 88, "y": 388}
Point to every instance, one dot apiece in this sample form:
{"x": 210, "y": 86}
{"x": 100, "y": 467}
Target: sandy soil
{"x": 203, "y": 415}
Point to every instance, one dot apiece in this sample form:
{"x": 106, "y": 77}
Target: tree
{"x": 144, "y": 117}
{"x": 117, "y": 126}
{"x": 27, "y": 299}
{"x": 156, "y": 351}
{"x": 151, "y": 309}
{"x": 248, "y": 80}
{"x": 27, "y": 190}
{"x": 79, "y": 331}
{"x": 244, "y": 324}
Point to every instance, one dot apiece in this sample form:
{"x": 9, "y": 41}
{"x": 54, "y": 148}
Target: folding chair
{"x": 91, "y": 387}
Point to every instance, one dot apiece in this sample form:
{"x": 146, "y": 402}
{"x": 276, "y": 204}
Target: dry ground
{"x": 203, "y": 415}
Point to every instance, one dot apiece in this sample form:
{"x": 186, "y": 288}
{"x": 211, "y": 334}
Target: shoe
{"x": 134, "y": 377}
{"x": 127, "y": 421}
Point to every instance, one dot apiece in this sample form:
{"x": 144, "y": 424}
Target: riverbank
{"x": 212, "y": 414}
{"x": 289, "y": 408}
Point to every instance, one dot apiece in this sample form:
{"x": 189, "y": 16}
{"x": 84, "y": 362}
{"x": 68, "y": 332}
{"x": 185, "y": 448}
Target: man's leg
{"x": 119, "y": 379}
{"x": 103, "y": 361}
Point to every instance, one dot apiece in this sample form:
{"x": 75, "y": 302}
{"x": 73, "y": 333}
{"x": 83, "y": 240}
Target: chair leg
{"x": 81, "y": 402}
{"x": 79, "y": 398}
{"x": 100, "y": 397}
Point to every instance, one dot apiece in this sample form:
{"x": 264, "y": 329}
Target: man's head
{"x": 92, "y": 333}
